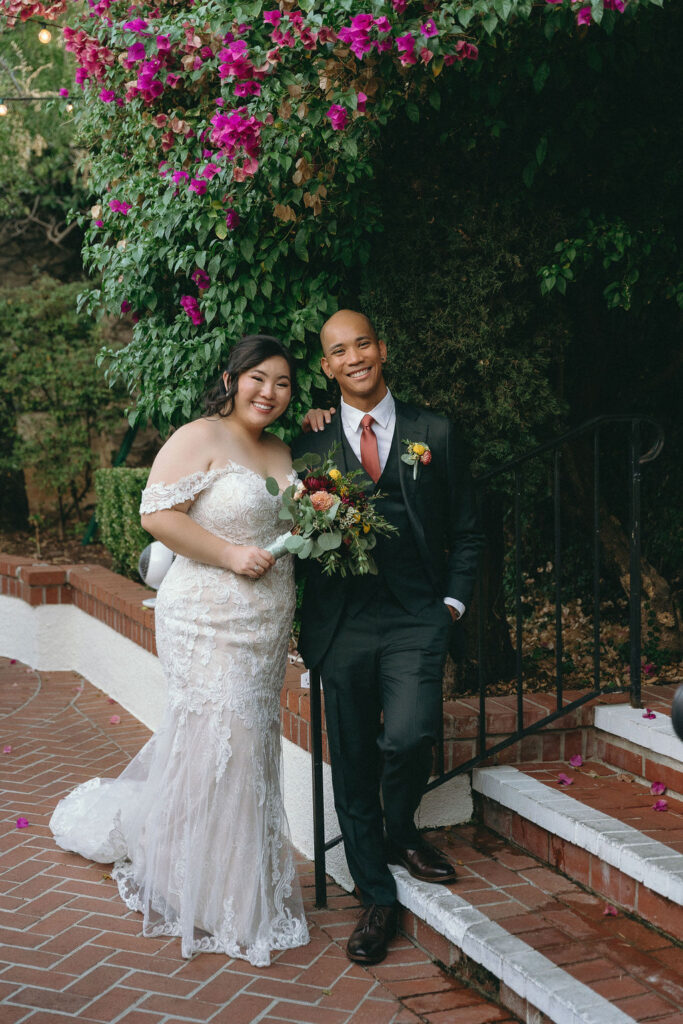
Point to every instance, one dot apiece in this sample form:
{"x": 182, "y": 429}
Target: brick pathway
{"x": 70, "y": 949}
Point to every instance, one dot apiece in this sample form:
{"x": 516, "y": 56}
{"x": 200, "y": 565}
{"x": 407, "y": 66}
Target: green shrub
{"x": 118, "y": 502}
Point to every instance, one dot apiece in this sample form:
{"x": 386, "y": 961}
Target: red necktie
{"x": 369, "y": 455}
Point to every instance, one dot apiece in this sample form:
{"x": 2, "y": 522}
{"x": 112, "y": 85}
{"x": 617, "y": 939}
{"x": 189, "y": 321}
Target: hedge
{"x": 118, "y": 493}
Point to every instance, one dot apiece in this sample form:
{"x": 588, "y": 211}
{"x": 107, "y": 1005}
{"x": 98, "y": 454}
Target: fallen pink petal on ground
{"x": 7, "y": 749}
{"x": 657, "y": 788}
{"x": 576, "y": 761}
{"x": 564, "y": 780}
{"x": 23, "y": 823}
{"x": 610, "y": 911}
{"x": 660, "y": 805}
{"x": 649, "y": 713}
{"x": 115, "y": 719}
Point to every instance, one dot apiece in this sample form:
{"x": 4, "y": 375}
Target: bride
{"x": 196, "y": 823}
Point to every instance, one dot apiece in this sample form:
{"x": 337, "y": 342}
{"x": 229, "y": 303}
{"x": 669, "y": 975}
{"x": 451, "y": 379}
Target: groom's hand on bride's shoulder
{"x": 316, "y": 419}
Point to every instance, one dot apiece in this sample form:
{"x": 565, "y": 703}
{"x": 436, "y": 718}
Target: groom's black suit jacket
{"x": 439, "y": 506}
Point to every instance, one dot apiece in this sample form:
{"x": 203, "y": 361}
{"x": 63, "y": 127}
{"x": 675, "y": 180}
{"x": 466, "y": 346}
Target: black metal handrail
{"x": 636, "y": 459}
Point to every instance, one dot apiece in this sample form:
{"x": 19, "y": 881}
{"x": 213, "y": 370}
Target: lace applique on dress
{"x": 196, "y": 821}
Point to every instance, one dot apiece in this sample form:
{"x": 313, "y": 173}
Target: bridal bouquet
{"x": 332, "y": 519}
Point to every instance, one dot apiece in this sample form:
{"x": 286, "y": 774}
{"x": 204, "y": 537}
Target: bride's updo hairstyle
{"x": 250, "y": 351}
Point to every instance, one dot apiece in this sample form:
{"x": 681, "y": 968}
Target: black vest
{"x": 400, "y": 568}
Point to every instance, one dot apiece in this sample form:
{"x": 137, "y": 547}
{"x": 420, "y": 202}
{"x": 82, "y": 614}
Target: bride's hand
{"x": 247, "y": 560}
{"x": 315, "y": 419}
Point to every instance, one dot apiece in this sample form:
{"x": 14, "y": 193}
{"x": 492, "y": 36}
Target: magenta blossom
{"x": 649, "y": 713}
{"x": 614, "y": 5}
{"x": 172, "y": 81}
{"x": 210, "y": 171}
{"x": 191, "y": 307}
{"x": 138, "y": 25}
{"x": 648, "y": 669}
{"x": 163, "y": 44}
{"x": 247, "y": 89}
{"x": 7, "y": 749}
{"x": 657, "y": 788}
{"x": 399, "y": 5}
{"x": 338, "y": 116}
{"x": 660, "y": 805}
{"x": 272, "y": 17}
{"x": 197, "y": 186}
{"x": 429, "y": 28}
{"x": 179, "y": 176}
{"x": 136, "y": 52}
{"x": 23, "y": 823}
{"x": 232, "y": 220}
{"x": 125, "y": 306}
{"x": 564, "y": 780}
{"x": 118, "y": 206}
{"x": 64, "y": 92}
{"x": 201, "y": 279}
{"x": 576, "y": 761}
{"x": 609, "y": 911}
{"x": 107, "y": 96}
{"x": 361, "y": 101}
{"x": 406, "y": 49}
{"x": 584, "y": 16}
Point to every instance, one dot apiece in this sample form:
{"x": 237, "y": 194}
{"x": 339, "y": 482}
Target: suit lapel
{"x": 409, "y": 427}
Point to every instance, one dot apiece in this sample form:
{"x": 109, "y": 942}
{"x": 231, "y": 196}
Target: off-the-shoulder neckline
{"x": 231, "y": 464}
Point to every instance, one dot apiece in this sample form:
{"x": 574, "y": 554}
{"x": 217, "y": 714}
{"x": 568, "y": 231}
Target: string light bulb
{"x": 3, "y": 110}
{"x": 45, "y": 36}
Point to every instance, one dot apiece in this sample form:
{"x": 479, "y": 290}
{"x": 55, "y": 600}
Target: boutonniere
{"x": 416, "y": 452}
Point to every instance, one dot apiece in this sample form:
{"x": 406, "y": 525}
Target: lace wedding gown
{"x": 196, "y": 822}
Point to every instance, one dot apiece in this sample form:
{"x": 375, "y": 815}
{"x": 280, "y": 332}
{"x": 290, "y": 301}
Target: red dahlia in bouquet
{"x": 332, "y": 518}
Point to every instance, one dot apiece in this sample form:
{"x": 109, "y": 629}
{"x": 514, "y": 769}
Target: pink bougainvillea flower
{"x": 118, "y": 206}
{"x": 554, "y": 1}
{"x": 362, "y": 100}
{"x": 406, "y": 49}
{"x": 232, "y": 220}
{"x": 179, "y": 176}
{"x": 272, "y": 17}
{"x": 197, "y": 186}
{"x": 201, "y": 279}
{"x": 584, "y": 16}
{"x": 383, "y": 24}
{"x": 564, "y": 780}
{"x": 191, "y": 307}
{"x": 399, "y": 5}
{"x": 23, "y": 823}
{"x": 610, "y": 911}
{"x": 649, "y": 713}
{"x": 64, "y": 92}
{"x": 425, "y": 55}
{"x": 7, "y": 749}
{"x": 136, "y": 52}
{"x": 657, "y": 788}
{"x": 576, "y": 761}
{"x": 172, "y": 80}
{"x": 163, "y": 43}
{"x": 125, "y": 308}
{"x": 138, "y": 25}
{"x": 429, "y": 28}
{"x": 210, "y": 171}
{"x": 107, "y": 96}
{"x": 338, "y": 116}
{"x": 250, "y": 88}
{"x": 115, "y": 719}
{"x": 614, "y": 5}
{"x": 648, "y": 669}
{"x": 660, "y": 805}
{"x": 99, "y": 223}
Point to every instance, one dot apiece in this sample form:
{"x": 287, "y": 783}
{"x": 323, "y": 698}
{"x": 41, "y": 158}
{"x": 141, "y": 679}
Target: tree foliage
{"x": 233, "y": 155}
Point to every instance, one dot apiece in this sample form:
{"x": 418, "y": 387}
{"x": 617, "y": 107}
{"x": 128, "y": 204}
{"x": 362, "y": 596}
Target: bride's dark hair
{"x": 249, "y": 351}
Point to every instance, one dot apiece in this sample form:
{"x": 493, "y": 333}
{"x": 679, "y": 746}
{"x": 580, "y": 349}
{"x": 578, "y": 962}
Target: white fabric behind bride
{"x": 196, "y": 822}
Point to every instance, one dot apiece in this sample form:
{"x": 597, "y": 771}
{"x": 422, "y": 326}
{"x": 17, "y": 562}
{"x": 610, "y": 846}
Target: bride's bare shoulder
{"x": 188, "y": 450}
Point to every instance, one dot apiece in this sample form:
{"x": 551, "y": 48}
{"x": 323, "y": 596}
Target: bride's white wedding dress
{"x": 196, "y": 822}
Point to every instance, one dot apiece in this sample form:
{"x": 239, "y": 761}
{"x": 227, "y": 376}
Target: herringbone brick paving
{"x": 71, "y": 950}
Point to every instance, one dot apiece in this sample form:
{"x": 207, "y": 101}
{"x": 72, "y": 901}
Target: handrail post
{"x": 318, "y": 798}
{"x": 634, "y": 566}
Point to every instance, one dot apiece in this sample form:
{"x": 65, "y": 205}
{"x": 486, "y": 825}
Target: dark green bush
{"x": 118, "y": 502}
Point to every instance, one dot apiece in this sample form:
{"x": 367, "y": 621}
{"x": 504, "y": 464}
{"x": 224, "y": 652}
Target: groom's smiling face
{"x": 354, "y": 355}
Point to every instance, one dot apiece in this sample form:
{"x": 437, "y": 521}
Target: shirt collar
{"x": 381, "y": 414}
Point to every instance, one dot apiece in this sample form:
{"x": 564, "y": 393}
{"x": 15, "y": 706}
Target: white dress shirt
{"x": 384, "y": 415}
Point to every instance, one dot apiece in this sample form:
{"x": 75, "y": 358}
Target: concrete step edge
{"x": 646, "y": 860}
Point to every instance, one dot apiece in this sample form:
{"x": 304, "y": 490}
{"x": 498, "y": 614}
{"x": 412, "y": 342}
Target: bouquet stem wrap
{"x": 277, "y": 548}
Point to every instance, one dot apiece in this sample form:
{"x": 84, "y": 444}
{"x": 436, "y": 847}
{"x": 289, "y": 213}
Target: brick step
{"x": 540, "y": 942}
{"x": 601, "y": 830}
{"x": 642, "y": 742}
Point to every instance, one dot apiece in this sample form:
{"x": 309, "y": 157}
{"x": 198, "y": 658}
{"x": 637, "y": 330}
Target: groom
{"x": 380, "y": 641}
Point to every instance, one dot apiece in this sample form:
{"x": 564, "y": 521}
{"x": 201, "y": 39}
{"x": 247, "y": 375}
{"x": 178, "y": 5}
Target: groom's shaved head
{"x": 345, "y": 320}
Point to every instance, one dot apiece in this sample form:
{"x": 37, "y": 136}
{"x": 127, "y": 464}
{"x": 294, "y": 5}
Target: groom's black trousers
{"x": 382, "y": 661}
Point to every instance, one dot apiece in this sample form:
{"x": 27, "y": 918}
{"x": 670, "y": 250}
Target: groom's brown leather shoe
{"x": 368, "y": 941}
{"x": 422, "y": 861}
